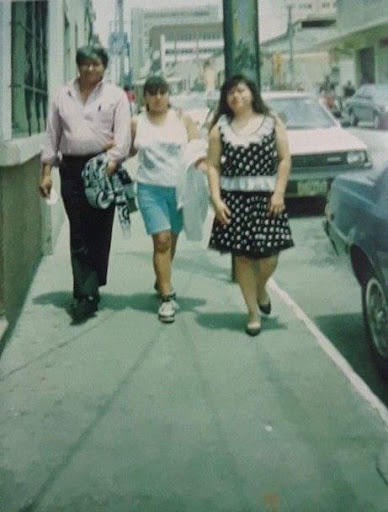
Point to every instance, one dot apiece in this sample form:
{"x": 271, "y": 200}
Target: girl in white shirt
{"x": 159, "y": 136}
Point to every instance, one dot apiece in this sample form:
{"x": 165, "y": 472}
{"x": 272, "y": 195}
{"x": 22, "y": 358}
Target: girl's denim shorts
{"x": 158, "y": 207}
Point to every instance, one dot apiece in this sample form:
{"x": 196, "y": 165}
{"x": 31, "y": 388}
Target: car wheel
{"x": 352, "y": 118}
{"x": 375, "y": 311}
{"x": 376, "y": 121}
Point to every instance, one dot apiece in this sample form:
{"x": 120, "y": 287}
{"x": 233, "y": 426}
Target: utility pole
{"x": 241, "y": 38}
{"x": 120, "y": 9}
{"x": 290, "y": 31}
{"x": 241, "y": 45}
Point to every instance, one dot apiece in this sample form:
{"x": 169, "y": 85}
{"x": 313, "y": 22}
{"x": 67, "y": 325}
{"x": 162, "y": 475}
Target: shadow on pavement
{"x": 60, "y": 299}
{"x": 234, "y": 321}
{"x": 147, "y": 302}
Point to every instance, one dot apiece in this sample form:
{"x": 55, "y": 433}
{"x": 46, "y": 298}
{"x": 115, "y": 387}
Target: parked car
{"x": 356, "y": 221}
{"x": 320, "y": 148}
{"x": 369, "y": 103}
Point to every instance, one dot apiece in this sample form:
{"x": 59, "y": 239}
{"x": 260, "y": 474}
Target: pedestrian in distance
{"x": 348, "y": 89}
{"x": 160, "y": 135}
{"x": 88, "y": 117}
{"x": 131, "y": 96}
{"x": 249, "y": 164}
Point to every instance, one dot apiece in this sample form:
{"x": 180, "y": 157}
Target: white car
{"x": 320, "y": 148}
{"x": 195, "y": 105}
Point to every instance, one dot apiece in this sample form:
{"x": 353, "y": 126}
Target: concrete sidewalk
{"x": 124, "y": 414}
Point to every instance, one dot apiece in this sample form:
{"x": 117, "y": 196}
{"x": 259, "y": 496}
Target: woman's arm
{"x": 276, "y": 205}
{"x": 191, "y": 128}
{"x": 193, "y": 133}
{"x": 214, "y": 155}
{"x": 119, "y": 151}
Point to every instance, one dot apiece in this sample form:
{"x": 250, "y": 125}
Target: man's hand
{"x": 45, "y": 181}
{"x": 109, "y": 145}
{"x": 111, "y": 168}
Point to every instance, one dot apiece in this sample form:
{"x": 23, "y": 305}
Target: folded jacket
{"x": 102, "y": 190}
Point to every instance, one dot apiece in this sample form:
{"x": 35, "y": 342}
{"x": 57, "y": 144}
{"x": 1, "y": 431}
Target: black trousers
{"x": 90, "y": 230}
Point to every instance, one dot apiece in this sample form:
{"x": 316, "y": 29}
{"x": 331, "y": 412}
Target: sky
{"x": 272, "y": 13}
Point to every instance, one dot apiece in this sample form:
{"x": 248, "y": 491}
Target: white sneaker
{"x": 174, "y": 302}
{"x": 166, "y": 311}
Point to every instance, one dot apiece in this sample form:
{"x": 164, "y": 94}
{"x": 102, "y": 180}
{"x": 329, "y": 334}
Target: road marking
{"x": 339, "y": 360}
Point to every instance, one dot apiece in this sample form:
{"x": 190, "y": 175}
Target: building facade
{"x": 39, "y": 40}
{"x": 313, "y": 11}
{"x": 309, "y": 66}
{"x": 174, "y": 44}
{"x": 362, "y": 34}
{"x": 143, "y": 21}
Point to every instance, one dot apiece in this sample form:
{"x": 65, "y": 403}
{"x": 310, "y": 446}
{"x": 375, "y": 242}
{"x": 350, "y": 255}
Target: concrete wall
{"x": 20, "y": 228}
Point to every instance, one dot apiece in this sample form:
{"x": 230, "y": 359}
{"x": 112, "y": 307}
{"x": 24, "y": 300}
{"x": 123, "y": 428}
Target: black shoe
{"x": 83, "y": 309}
{"x": 266, "y": 308}
{"x": 252, "y": 331}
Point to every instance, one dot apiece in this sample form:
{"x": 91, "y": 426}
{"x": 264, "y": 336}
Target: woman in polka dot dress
{"x": 249, "y": 164}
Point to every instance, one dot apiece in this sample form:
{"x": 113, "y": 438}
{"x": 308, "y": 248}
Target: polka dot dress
{"x": 251, "y": 231}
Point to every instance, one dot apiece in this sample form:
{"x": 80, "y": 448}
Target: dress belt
{"x": 248, "y": 183}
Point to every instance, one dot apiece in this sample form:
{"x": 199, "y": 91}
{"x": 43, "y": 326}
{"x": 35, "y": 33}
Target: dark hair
{"x": 258, "y": 104}
{"x": 92, "y": 52}
{"x": 155, "y": 84}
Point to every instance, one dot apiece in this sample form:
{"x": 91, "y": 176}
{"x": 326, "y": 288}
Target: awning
{"x": 351, "y": 38}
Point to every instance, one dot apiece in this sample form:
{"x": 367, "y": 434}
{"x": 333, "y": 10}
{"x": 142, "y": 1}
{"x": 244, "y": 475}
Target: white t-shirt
{"x": 160, "y": 149}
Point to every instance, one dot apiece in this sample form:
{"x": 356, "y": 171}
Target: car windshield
{"x": 189, "y": 101}
{"x": 301, "y": 113}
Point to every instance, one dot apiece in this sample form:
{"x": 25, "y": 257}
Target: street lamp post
{"x": 120, "y": 9}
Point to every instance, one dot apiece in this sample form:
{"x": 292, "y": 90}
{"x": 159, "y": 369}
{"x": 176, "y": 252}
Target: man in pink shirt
{"x": 87, "y": 117}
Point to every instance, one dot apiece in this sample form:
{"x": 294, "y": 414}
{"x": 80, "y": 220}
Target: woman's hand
{"x": 222, "y": 212}
{"x": 202, "y": 165}
{"x": 276, "y": 204}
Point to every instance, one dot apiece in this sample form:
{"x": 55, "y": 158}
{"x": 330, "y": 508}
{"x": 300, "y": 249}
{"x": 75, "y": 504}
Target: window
{"x": 29, "y": 67}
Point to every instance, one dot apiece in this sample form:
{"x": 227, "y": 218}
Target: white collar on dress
{"x": 265, "y": 129}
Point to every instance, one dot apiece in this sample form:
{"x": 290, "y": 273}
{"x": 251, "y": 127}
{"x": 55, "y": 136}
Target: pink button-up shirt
{"x": 78, "y": 128}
